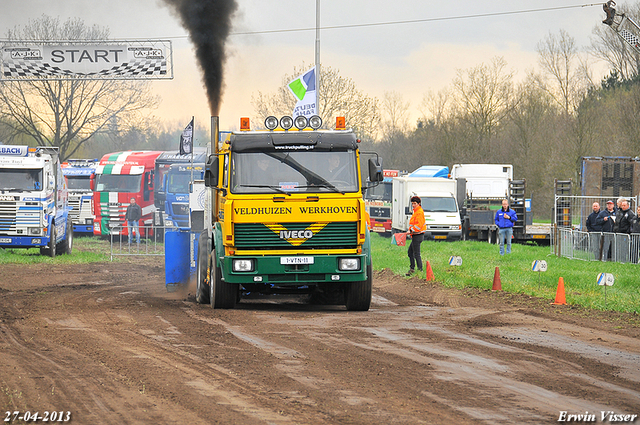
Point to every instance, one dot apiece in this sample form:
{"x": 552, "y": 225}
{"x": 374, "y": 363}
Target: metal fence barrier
{"x": 597, "y": 246}
{"x": 151, "y": 241}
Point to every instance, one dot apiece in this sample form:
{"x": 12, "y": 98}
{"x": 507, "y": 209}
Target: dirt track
{"x": 112, "y": 346}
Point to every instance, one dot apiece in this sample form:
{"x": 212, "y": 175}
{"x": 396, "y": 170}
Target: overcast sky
{"x": 407, "y": 58}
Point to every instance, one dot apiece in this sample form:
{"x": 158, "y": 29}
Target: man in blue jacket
{"x": 505, "y": 218}
{"x": 607, "y": 219}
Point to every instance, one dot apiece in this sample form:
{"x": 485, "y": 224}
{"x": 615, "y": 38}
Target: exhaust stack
{"x": 215, "y": 135}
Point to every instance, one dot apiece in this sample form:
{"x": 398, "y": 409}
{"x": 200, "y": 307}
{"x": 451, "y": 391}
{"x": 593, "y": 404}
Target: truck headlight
{"x": 349, "y": 264}
{"x": 242, "y": 265}
{"x": 35, "y": 231}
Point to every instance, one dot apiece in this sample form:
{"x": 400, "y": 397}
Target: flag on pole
{"x": 186, "y": 139}
{"x": 304, "y": 89}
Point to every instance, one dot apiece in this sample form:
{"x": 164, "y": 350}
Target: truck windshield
{"x": 20, "y": 179}
{"x": 118, "y": 183}
{"x": 78, "y": 183}
{"x": 380, "y": 192}
{"x": 439, "y": 204}
{"x": 297, "y": 171}
{"x": 178, "y": 182}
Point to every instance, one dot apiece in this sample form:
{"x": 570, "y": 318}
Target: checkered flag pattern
{"x": 138, "y": 69}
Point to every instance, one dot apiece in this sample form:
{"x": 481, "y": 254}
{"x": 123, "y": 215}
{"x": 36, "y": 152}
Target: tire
{"x": 51, "y": 246}
{"x": 358, "y": 294}
{"x": 202, "y": 269}
{"x": 221, "y": 294}
{"x": 66, "y": 246}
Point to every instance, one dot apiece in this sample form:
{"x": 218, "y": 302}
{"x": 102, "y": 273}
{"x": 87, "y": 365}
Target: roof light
{"x": 300, "y": 122}
{"x": 341, "y": 123}
{"x": 315, "y": 122}
{"x": 286, "y": 122}
{"x": 271, "y": 122}
{"x": 245, "y": 124}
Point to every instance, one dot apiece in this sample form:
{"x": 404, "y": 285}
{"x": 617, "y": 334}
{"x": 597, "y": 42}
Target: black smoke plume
{"x": 208, "y": 23}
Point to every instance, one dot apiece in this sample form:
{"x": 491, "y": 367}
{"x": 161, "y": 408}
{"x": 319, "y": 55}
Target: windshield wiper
{"x": 266, "y": 186}
{"x": 323, "y": 184}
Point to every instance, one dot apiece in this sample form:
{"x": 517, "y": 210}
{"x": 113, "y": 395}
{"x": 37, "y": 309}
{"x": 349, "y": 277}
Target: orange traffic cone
{"x": 560, "y": 297}
{"x": 430, "y": 276}
{"x": 497, "y": 285}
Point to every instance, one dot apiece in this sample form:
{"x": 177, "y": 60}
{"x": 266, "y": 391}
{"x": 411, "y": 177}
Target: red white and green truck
{"x": 119, "y": 177}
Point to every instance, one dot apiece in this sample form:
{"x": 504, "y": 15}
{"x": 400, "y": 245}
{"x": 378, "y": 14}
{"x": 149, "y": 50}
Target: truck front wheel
{"x": 202, "y": 278}
{"x": 358, "y": 294}
{"x": 221, "y": 294}
{"x": 50, "y": 250}
{"x": 66, "y": 246}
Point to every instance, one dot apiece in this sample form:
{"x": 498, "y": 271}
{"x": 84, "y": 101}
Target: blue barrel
{"x": 176, "y": 259}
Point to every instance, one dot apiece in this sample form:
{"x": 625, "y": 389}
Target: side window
{"x": 225, "y": 182}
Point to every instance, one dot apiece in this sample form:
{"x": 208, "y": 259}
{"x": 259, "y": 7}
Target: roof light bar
{"x": 286, "y": 122}
{"x": 301, "y": 122}
{"x": 271, "y": 122}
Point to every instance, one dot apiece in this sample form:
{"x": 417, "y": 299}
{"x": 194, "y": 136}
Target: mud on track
{"x": 106, "y": 342}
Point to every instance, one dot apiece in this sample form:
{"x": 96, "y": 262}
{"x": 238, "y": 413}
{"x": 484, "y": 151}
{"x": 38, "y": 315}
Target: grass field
{"x": 480, "y": 259}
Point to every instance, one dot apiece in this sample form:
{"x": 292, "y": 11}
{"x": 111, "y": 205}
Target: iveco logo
{"x": 296, "y": 234}
{"x": 6, "y": 198}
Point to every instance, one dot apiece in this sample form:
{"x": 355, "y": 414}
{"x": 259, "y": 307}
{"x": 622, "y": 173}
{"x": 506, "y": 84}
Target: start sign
{"x": 86, "y": 60}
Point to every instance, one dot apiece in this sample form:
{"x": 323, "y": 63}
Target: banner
{"x": 130, "y": 60}
{"x": 186, "y": 139}
{"x": 304, "y": 89}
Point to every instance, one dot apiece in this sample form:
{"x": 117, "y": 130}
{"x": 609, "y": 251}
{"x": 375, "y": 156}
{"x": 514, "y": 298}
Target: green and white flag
{"x": 304, "y": 89}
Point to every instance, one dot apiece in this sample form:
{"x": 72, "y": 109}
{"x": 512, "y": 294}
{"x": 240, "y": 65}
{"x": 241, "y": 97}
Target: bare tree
{"x": 68, "y": 113}
{"x": 560, "y": 61}
{"x": 337, "y": 96}
{"x": 482, "y": 97}
{"x": 395, "y": 114}
{"x": 606, "y": 45}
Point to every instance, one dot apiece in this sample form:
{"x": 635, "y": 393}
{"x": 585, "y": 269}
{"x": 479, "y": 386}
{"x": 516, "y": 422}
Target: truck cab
{"x": 286, "y": 215}
{"x": 34, "y": 209}
{"x": 119, "y": 177}
{"x": 78, "y": 174}
{"x": 178, "y": 184}
{"x": 439, "y": 202}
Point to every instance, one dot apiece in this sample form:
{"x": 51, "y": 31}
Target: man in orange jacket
{"x": 417, "y": 227}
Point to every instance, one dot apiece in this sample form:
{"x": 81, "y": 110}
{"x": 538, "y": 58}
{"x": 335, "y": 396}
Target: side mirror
{"x": 92, "y": 182}
{"x": 150, "y": 179}
{"x": 375, "y": 170}
{"x": 211, "y": 171}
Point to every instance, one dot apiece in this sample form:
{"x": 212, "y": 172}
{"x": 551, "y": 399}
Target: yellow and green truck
{"x": 285, "y": 214}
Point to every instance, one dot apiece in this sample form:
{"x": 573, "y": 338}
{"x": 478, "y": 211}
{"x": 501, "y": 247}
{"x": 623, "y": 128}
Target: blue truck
{"x": 178, "y": 185}
{"x": 34, "y": 209}
{"x": 77, "y": 173}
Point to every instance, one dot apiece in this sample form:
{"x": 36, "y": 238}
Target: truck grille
{"x": 74, "y": 201}
{"x": 8, "y": 213}
{"x": 380, "y": 212}
{"x": 332, "y": 236}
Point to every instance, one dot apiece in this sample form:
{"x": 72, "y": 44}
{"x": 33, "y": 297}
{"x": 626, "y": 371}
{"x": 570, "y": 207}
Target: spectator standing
{"x": 623, "y": 220}
{"x": 635, "y": 237}
{"x": 592, "y": 228}
{"x": 606, "y": 218}
{"x": 504, "y": 219}
{"x": 417, "y": 227}
{"x": 133, "y": 216}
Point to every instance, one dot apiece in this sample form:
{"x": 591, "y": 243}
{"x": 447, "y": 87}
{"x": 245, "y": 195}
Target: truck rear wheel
{"x": 202, "y": 277}
{"x": 221, "y": 294}
{"x": 358, "y": 294}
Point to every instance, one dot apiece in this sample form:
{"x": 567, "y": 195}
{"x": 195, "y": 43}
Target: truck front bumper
{"x": 449, "y": 236}
{"x": 295, "y": 269}
{"x": 23, "y": 241}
